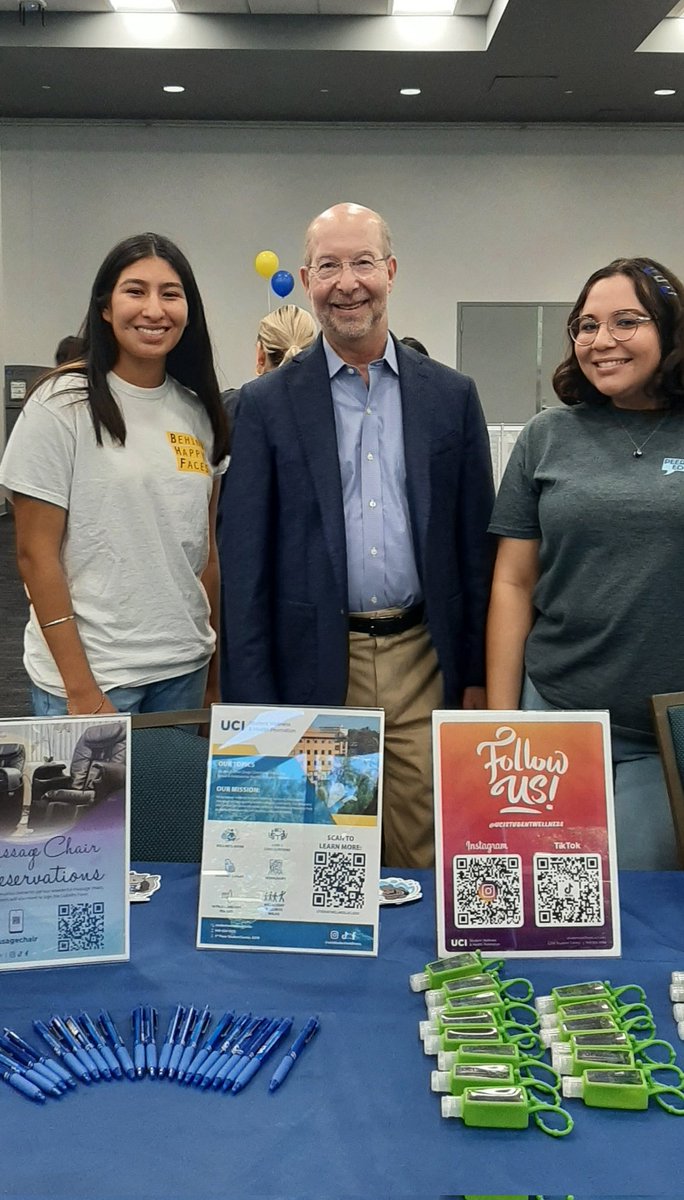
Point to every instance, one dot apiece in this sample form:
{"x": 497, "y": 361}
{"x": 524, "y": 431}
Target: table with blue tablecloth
{"x": 356, "y": 1117}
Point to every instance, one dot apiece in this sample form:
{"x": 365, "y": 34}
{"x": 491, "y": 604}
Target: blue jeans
{"x": 169, "y": 695}
{"x": 643, "y": 818}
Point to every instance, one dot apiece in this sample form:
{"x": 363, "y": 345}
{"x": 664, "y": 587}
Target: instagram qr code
{"x": 488, "y": 891}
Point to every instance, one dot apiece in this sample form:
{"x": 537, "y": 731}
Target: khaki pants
{"x": 400, "y": 673}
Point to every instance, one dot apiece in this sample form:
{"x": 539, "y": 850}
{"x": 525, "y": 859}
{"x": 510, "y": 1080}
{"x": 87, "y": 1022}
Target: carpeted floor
{"x": 14, "y": 685}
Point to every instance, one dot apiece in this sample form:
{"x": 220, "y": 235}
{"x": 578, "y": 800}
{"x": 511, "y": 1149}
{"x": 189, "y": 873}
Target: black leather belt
{"x": 382, "y": 626}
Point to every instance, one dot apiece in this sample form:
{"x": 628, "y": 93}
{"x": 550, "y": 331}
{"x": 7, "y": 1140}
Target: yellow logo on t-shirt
{"x": 189, "y": 452}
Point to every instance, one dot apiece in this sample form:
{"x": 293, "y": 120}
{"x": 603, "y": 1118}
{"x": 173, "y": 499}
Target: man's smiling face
{"x": 349, "y": 309}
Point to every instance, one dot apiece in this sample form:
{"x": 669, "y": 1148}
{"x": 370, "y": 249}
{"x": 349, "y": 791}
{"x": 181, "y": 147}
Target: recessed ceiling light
{"x": 173, "y": 87}
{"x": 143, "y": 6}
{"x": 665, "y": 92}
{"x": 46, "y": 87}
{"x": 423, "y": 8}
{"x": 410, "y": 91}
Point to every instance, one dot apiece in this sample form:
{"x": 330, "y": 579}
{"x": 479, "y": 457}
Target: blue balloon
{"x": 282, "y": 283}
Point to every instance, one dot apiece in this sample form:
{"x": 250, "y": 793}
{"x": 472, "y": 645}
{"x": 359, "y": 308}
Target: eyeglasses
{"x": 620, "y": 325}
{"x": 332, "y": 268}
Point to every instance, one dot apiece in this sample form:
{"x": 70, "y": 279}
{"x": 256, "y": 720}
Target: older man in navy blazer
{"x": 355, "y": 558}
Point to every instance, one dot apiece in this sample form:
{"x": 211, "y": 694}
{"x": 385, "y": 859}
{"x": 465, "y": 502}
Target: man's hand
{"x": 474, "y": 697}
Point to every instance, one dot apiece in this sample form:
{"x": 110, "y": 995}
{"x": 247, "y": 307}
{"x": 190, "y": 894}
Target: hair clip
{"x": 664, "y": 284}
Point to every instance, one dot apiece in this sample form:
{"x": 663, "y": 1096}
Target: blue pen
{"x": 286, "y": 1064}
{"x": 29, "y": 1058}
{"x": 75, "y": 1046}
{"x": 218, "y": 1033}
{"x": 262, "y": 1054}
{"x": 88, "y": 1026}
{"x": 138, "y": 1044}
{"x": 170, "y": 1039}
{"x": 193, "y": 1041}
{"x": 243, "y": 1053}
{"x": 92, "y": 1050}
{"x": 116, "y": 1042}
{"x": 219, "y": 1055}
{"x": 51, "y": 1064}
{"x": 248, "y": 1049}
{"x": 39, "y": 1081}
{"x": 181, "y": 1041}
{"x": 28, "y": 1063}
{"x": 150, "y": 1036}
{"x": 73, "y": 1063}
{"x": 21, "y": 1084}
{"x": 231, "y": 1047}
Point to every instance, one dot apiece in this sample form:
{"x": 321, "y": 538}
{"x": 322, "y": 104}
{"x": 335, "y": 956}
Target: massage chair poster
{"x": 525, "y": 834}
{"x": 291, "y": 850}
{"x": 64, "y": 817}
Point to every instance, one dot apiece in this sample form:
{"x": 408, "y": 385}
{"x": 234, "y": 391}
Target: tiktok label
{"x": 524, "y": 831}
{"x": 524, "y": 780}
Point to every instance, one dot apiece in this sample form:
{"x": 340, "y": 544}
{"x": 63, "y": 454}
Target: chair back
{"x": 668, "y": 713}
{"x": 168, "y": 783}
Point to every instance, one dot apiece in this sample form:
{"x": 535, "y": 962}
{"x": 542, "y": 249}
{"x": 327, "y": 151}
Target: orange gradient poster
{"x": 525, "y": 833}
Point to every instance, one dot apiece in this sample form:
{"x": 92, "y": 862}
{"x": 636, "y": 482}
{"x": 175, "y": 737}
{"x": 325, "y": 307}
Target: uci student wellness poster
{"x": 64, "y": 817}
{"x": 525, "y": 833}
{"x": 291, "y": 850}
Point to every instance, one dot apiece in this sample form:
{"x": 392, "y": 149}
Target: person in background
{"x": 414, "y": 344}
{"x": 586, "y": 601}
{"x": 281, "y": 335}
{"x": 69, "y": 349}
{"x": 112, "y": 469}
{"x": 354, "y": 526}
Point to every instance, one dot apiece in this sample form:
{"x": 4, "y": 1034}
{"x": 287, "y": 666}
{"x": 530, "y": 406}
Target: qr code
{"x": 488, "y": 891}
{"x": 80, "y": 927}
{"x": 338, "y": 879}
{"x": 568, "y": 889}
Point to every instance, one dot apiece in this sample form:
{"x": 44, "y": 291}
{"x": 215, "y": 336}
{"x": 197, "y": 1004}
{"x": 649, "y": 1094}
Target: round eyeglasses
{"x": 620, "y": 325}
{"x": 332, "y": 268}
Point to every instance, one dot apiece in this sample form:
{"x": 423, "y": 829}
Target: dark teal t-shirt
{"x": 609, "y": 601}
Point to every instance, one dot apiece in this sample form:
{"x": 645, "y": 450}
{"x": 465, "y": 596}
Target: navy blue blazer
{"x": 282, "y": 538}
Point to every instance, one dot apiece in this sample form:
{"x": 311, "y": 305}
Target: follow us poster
{"x": 525, "y": 834}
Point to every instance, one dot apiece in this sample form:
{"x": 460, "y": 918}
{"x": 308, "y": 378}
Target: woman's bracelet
{"x": 90, "y": 714}
{"x": 59, "y": 621}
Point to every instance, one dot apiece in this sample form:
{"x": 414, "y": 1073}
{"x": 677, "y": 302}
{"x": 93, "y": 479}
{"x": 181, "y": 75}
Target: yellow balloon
{"x": 266, "y": 263}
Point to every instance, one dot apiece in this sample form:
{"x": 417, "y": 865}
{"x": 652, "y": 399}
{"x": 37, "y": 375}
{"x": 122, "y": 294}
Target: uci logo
{"x": 234, "y": 725}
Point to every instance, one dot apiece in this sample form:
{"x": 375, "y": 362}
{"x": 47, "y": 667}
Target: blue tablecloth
{"x": 356, "y": 1118}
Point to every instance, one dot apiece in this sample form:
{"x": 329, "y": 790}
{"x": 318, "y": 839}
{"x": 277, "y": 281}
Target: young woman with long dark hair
{"x": 113, "y": 472}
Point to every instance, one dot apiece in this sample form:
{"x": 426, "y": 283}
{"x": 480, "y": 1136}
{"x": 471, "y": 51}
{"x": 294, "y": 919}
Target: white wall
{"x": 478, "y": 213}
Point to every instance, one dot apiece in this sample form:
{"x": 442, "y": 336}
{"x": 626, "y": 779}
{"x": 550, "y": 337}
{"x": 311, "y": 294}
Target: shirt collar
{"x": 335, "y": 363}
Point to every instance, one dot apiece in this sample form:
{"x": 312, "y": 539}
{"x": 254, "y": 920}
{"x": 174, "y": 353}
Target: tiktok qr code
{"x": 488, "y": 891}
{"x": 568, "y": 889}
{"x": 338, "y": 879}
{"x": 80, "y": 927}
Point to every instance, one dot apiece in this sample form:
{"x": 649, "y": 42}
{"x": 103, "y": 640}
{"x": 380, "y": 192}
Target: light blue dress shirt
{"x": 381, "y": 562}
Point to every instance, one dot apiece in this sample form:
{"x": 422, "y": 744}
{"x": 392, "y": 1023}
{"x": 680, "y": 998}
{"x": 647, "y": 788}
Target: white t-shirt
{"x": 137, "y": 532}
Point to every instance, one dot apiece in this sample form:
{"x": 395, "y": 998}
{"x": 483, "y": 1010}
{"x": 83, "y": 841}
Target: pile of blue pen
{"x": 86, "y": 1051}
